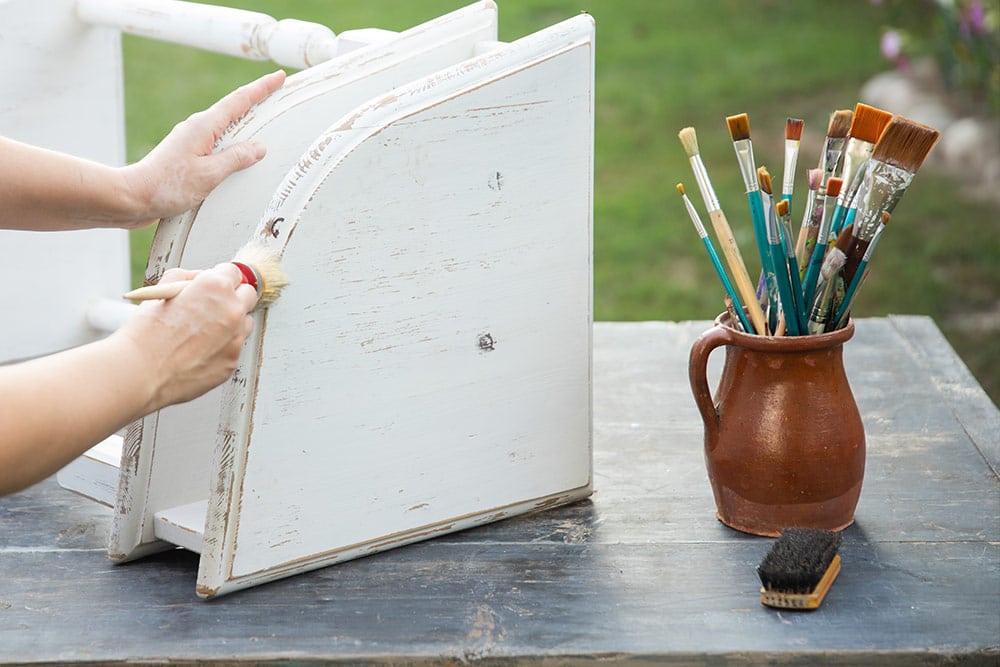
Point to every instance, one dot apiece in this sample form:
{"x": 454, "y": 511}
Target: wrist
{"x": 137, "y": 367}
{"x": 135, "y": 196}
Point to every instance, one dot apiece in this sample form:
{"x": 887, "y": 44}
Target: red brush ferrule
{"x": 250, "y": 275}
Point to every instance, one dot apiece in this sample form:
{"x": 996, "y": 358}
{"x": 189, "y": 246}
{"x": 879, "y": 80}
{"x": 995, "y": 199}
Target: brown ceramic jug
{"x": 784, "y": 442}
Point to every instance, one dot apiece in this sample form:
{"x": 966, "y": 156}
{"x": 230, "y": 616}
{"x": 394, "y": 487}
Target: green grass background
{"x": 663, "y": 65}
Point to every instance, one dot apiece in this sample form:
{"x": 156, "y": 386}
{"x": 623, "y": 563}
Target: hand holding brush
{"x": 259, "y": 266}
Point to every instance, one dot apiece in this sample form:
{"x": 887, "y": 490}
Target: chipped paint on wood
{"x": 287, "y": 122}
{"x": 383, "y": 420}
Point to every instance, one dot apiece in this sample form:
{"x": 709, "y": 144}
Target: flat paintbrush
{"x": 833, "y": 145}
{"x": 723, "y": 232}
{"x": 716, "y": 263}
{"x": 815, "y": 180}
{"x": 260, "y": 268}
{"x": 781, "y": 210}
{"x": 895, "y": 160}
{"x": 739, "y": 130}
{"x": 867, "y": 125}
{"x": 779, "y": 286}
{"x": 793, "y": 139}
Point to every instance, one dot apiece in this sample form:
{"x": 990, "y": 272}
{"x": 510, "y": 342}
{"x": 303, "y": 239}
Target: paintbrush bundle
{"x": 808, "y": 284}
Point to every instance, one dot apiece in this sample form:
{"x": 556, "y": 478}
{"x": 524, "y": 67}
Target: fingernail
{"x": 259, "y": 150}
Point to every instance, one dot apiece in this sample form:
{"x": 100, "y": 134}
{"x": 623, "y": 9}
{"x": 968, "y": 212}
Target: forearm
{"x": 55, "y": 408}
{"x": 45, "y": 190}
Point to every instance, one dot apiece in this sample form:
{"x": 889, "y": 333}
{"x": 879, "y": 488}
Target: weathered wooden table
{"x": 640, "y": 571}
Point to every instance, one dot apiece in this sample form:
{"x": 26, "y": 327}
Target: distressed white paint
{"x": 286, "y": 123}
{"x": 369, "y": 410}
{"x": 429, "y": 368}
{"x": 60, "y": 88}
{"x": 183, "y": 526}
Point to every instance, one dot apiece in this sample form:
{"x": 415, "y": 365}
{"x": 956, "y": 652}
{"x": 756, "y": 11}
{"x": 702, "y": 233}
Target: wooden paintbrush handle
{"x": 747, "y": 293}
{"x": 166, "y": 290}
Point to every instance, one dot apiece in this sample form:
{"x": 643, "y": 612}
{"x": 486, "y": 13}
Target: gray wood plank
{"x": 640, "y": 573}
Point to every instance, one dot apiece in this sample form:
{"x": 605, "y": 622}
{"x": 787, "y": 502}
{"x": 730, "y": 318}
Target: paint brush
{"x": 793, "y": 139}
{"x": 723, "y": 232}
{"x": 833, "y": 145}
{"x": 778, "y": 284}
{"x": 734, "y": 300}
{"x": 815, "y": 179}
{"x": 867, "y": 125}
{"x": 844, "y": 310}
{"x": 739, "y": 130}
{"x": 830, "y": 281}
{"x": 781, "y": 209}
{"x": 259, "y": 265}
{"x": 895, "y": 160}
{"x": 822, "y": 239}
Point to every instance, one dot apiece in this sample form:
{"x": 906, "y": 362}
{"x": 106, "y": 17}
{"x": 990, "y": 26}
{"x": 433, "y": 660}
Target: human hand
{"x": 187, "y": 345}
{"x": 182, "y": 169}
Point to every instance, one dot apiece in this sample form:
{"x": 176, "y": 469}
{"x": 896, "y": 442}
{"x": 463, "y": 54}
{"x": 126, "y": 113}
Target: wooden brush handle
{"x": 748, "y": 295}
{"x": 166, "y": 290}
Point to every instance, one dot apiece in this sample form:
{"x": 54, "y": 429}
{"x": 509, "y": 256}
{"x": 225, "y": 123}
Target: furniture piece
{"x": 641, "y": 572}
{"x": 428, "y": 369}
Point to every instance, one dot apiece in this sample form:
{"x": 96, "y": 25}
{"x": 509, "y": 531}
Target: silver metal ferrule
{"x": 884, "y": 187}
{"x": 695, "y": 218}
{"x": 791, "y": 159}
{"x": 856, "y": 155}
{"x": 770, "y": 219}
{"x": 744, "y": 154}
{"x": 704, "y": 185}
{"x": 832, "y": 150}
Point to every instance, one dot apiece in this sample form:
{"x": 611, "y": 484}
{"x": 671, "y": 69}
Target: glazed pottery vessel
{"x": 784, "y": 442}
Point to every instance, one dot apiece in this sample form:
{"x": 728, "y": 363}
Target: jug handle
{"x": 698, "y": 376}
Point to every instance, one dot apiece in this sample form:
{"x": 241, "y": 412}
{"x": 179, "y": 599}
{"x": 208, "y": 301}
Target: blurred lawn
{"x": 663, "y": 65}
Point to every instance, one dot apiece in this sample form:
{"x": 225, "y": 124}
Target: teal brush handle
{"x": 784, "y": 287}
{"x": 812, "y": 271}
{"x": 793, "y": 272}
{"x": 792, "y": 264}
{"x": 730, "y": 290}
{"x": 849, "y": 218}
{"x": 760, "y": 234}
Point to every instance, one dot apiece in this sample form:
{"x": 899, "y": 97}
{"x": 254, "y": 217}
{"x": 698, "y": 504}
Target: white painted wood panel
{"x": 429, "y": 367}
{"x": 183, "y": 526}
{"x": 287, "y": 123}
